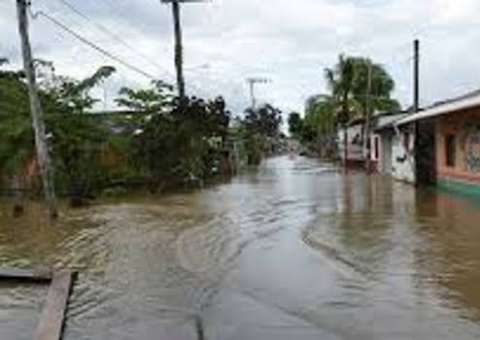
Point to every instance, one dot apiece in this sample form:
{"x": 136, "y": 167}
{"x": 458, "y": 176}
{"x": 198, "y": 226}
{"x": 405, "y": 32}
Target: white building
{"x": 355, "y": 152}
{"x": 387, "y": 146}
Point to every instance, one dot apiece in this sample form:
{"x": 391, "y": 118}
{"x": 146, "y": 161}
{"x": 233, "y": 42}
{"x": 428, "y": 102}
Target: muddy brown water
{"x": 295, "y": 250}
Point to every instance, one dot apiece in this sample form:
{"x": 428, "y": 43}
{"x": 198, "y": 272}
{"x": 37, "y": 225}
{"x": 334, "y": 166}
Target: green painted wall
{"x": 462, "y": 187}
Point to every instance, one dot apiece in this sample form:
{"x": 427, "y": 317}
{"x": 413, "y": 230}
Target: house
{"x": 447, "y": 148}
{"x": 355, "y": 149}
{"x": 379, "y": 147}
{"x": 383, "y": 138}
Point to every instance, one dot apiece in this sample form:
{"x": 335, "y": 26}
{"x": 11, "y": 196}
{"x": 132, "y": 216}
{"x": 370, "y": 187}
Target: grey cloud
{"x": 288, "y": 41}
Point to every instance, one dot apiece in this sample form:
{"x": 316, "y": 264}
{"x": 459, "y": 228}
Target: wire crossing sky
{"x": 290, "y": 43}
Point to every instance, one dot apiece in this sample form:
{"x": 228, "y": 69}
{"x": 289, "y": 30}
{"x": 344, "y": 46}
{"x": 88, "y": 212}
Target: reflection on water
{"x": 296, "y": 250}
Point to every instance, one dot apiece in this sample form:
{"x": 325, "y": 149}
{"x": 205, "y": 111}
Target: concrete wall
{"x": 355, "y": 144}
{"x": 385, "y": 157}
{"x": 465, "y": 126}
{"x": 403, "y": 159}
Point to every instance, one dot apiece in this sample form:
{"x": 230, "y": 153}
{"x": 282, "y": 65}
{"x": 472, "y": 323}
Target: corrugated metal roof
{"x": 464, "y": 102}
{"x": 389, "y": 121}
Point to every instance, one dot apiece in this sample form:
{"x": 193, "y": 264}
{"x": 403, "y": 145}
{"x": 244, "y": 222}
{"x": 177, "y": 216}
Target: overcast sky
{"x": 288, "y": 41}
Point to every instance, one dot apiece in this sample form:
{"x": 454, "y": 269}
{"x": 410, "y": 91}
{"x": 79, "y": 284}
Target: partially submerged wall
{"x": 459, "y": 135}
{"x": 403, "y": 156}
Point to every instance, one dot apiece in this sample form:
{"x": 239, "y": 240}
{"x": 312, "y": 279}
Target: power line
{"x": 112, "y": 34}
{"x": 94, "y": 46}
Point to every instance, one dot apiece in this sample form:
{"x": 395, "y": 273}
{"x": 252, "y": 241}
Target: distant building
{"x": 382, "y": 147}
{"x": 386, "y": 148}
{"x": 355, "y": 149}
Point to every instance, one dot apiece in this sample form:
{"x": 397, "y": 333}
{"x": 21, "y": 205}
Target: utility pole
{"x": 416, "y": 75}
{"x": 368, "y": 110}
{"x": 178, "y": 48}
{"x": 252, "y": 82}
{"x": 43, "y": 157}
{"x": 177, "y": 25}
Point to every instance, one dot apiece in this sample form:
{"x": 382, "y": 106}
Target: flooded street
{"x": 295, "y": 250}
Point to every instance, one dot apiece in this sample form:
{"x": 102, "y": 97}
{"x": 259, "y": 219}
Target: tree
{"x": 295, "y": 124}
{"x": 183, "y": 143}
{"x": 151, "y": 100}
{"x": 340, "y": 81}
{"x": 265, "y": 120}
{"x": 16, "y": 134}
{"x": 261, "y": 132}
{"x": 71, "y": 95}
{"x": 73, "y": 136}
{"x": 349, "y": 81}
{"x": 381, "y": 86}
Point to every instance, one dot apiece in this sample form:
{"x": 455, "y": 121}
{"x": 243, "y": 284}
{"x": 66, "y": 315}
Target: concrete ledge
{"x": 459, "y": 186}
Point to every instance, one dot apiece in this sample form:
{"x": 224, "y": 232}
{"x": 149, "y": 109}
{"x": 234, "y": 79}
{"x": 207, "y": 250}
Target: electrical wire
{"x": 94, "y": 46}
{"x": 113, "y": 35}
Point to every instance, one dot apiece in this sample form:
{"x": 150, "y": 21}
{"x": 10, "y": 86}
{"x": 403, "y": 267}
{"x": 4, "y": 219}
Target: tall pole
{"x": 367, "y": 117}
{"x": 43, "y": 157}
{"x": 416, "y": 75}
{"x": 416, "y": 107}
{"x": 251, "y": 83}
{"x": 178, "y": 48}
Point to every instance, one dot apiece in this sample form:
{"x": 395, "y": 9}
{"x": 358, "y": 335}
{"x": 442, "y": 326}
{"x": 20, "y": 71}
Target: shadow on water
{"x": 295, "y": 250}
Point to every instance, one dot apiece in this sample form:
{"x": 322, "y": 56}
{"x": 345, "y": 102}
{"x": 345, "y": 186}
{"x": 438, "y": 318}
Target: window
{"x": 450, "y": 149}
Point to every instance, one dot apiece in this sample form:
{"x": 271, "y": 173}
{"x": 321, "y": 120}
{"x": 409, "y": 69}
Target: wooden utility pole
{"x": 43, "y": 157}
{"x": 178, "y": 43}
{"x": 178, "y": 48}
{"x": 368, "y": 113}
{"x": 416, "y": 75}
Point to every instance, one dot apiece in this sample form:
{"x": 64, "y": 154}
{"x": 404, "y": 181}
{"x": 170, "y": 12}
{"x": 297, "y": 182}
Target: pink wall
{"x": 465, "y": 126}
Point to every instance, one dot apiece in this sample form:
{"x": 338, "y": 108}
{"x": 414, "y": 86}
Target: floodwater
{"x": 295, "y": 250}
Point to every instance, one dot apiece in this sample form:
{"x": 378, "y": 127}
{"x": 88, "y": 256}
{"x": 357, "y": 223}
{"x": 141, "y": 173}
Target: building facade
{"x": 458, "y": 150}
{"x": 447, "y": 150}
{"x": 403, "y": 154}
{"x": 355, "y": 149}
{"x": 386, "y": 144}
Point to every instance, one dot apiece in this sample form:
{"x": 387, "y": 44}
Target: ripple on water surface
{"x": 295, "y": 250}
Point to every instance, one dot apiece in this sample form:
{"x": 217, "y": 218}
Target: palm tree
{"x": 359, "y": 87}
{"x": 340, "y": 80}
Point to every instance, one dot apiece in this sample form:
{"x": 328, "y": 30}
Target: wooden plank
{"x": 25, "y": 275}
{"x": 52, "y": 320}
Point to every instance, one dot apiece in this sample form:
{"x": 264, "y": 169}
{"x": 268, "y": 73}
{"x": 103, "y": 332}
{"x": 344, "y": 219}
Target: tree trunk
{"x": 38, "y": 123}
{"x": 18, "y": 195}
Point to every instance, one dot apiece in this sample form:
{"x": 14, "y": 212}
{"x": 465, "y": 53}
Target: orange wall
{"x": 465, "y": 125}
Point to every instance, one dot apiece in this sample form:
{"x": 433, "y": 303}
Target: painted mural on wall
{"x": 472, "y": 148}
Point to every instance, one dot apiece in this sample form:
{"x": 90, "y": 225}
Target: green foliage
{"x": 265, "y": 120}
{"x": 76, "y": 146}
{"x": 295, "y": 124}
{"x": 163, "y": 139}
{"x": 260, "y": 131}
{"x": 348, "y": 81}
{"x": 16, "y": 133}
{"x": 85, "y": 85}
{"x": 382, "y": 86}
{"x": 74, "y": 139}
{"x": 185, "y": 143}
{"x": 151, "y": 100}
